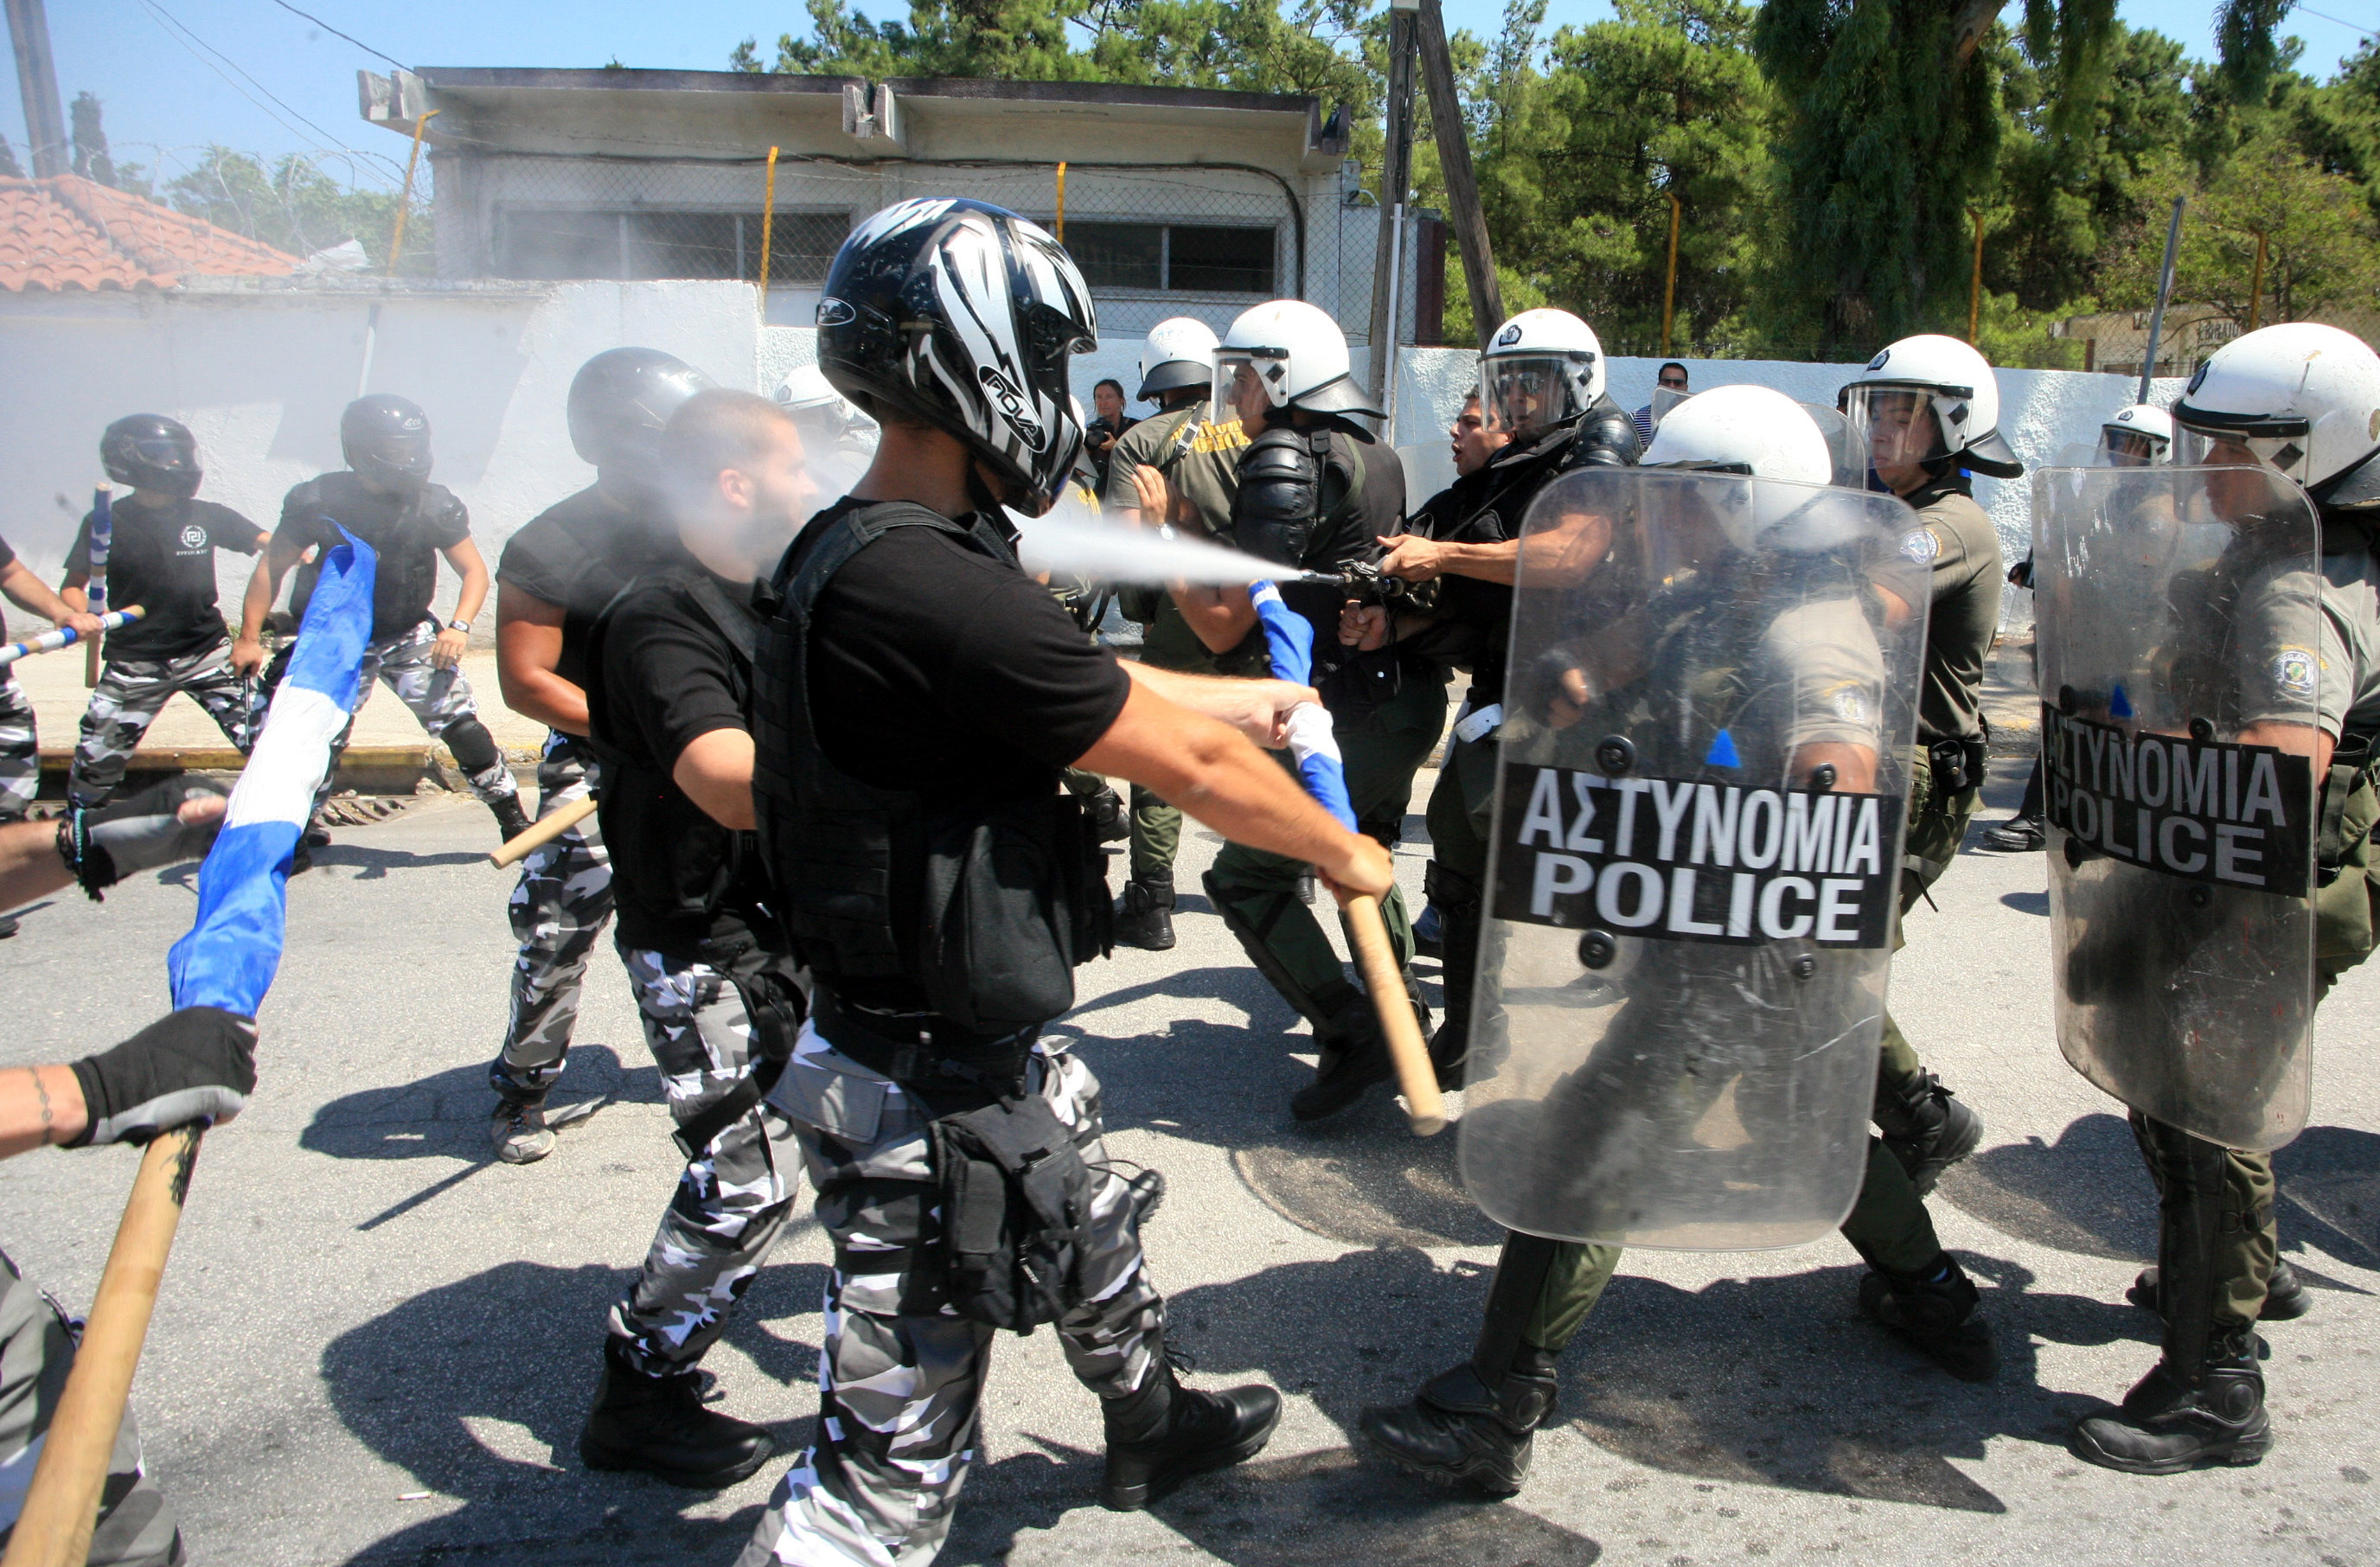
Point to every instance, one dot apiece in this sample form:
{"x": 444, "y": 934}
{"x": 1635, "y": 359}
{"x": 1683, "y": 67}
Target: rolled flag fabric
{"x": 1289, "y": 638}
{"x": 230, "y": 955}
{"x": 64, "y": 637}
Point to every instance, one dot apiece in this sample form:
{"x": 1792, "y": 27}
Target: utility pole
{"x": 37, "y": 83}
{"x": 1396, "y": 184}
{"x": 1465, "y": 211}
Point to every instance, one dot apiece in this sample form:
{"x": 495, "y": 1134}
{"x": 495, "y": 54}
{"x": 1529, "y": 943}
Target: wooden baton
{"x": 1417, "y": 1078}
{"x": 542, "y": 831}
{"x": 102, "y": 537}
{"x": 62, "y": 1507}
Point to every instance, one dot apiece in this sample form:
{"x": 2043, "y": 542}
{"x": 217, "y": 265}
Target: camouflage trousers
{"x": 559, "y": 908}
{"x": 130, "y": 693}
{"x": 137, "y": 1526}
{"x": 730, "y": 1201}
{"x": 440, "y": 699}
{"x": 20, "y": 752}
{"x": 900, "y": 1377}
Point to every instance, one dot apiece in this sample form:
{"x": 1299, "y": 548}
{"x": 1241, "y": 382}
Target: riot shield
{"x": 1850, "y": 468}
{"x": 2180, "y": 617}
{"x": 1698, "y": 820}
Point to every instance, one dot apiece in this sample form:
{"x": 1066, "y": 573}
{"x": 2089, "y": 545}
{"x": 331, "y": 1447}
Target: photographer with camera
{"x": 1100, "y": 437}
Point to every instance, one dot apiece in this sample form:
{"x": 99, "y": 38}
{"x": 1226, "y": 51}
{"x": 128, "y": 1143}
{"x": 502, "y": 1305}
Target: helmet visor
{"x": 1522, "y": 394}
{"x": 2285, "y": 455}
{"x": 1247, "y": 381}
{"x": 1892, "y": 427}
{"x": 2131, "y": 448}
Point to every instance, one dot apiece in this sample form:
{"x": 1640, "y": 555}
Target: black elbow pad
{"x": 1279, "y": 495}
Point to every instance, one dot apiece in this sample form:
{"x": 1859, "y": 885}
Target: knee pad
{"x": 475, "y": 749}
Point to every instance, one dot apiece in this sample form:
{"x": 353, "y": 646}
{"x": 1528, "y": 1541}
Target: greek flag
{"x": 1289, "y": 638}
{"x": 229, "y": 957}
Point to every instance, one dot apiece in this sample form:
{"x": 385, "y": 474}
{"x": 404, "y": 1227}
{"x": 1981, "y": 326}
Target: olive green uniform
{"x": 1198, "y": 458}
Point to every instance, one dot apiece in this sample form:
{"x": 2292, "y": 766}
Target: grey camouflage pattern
{"x": 20, "y": 752}
{"x": 129, "y": 697}
{"x": 136, "y": 1525}
{"x": 900, "y": 1379}
{"x": 731, "y": 1203}
{"x": 439, "y": 697}
{"x": 559, "y": 908}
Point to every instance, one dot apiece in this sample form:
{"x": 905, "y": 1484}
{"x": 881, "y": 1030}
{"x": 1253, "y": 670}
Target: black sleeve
{"x": 446, "y": 521}
{"x": 302, "y": 523}
{"x": 1606, "y": 438}
{"x": 230, "y": 530}
{"x": 668, "y": 675}
{"x": 1275, "y": 513}
{"x": 529, "y": 563}
{"x": 998, "y": 655}
{"x": 79, "y": 554}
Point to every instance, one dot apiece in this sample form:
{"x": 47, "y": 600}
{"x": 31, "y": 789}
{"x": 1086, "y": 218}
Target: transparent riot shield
{"x": 1705, "y": 764}
{"x": 2179, "y": 612}
{"x": 1850, "y": 468}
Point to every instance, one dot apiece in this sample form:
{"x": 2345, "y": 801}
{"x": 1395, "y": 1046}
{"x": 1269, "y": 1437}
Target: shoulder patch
{"x": 2293, "y": 671}
{"x": 1921, "y": 545}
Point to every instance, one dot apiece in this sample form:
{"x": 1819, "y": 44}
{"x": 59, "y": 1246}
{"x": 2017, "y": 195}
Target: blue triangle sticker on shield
{"x": 1722, "y": 752}
{"x": 2119, "y": 705}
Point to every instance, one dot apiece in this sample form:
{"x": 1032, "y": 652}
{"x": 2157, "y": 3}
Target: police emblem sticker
{"x": 1878, "y": 362}
{"x": 1509, "y": 336}
{"x": 2293, "y": 671}
{"x": 1850, "y": 704}
{"x": 1921, "y": 545}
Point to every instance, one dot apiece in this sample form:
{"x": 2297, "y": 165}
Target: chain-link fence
{"x": 2117, "y": 343}
{"x": 1154, "y": 240}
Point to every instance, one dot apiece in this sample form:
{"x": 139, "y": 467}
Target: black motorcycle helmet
{"x": 386, "y": 439}
{"x": 619, "y": 401}
{"x": 151, "y": 452}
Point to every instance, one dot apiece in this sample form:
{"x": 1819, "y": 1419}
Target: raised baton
{"x": 64, "y": 637}
{"x": 103, "y": 536}
{"x": 542, "y": 831}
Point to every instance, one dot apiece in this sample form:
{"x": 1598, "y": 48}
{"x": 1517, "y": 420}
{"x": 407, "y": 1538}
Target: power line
{"x": 323, "y": 140}
{"x": 326, "y": 27}
{"x": 2341, "y": 22}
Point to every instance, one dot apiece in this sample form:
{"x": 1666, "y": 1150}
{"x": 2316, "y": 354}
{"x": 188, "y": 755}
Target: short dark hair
{"x": 715, "y": 430}
{"x": 1110, "y": 381}
{"x": 1669, "y": 366}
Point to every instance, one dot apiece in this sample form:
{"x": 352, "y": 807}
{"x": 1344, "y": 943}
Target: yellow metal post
{"x": 2256, "y": 287}
{"x": 1061, "y": 204}
{"x": 404, "y": 201}
{"x": 1669, "y": 290}
{"x": 767, "y": 222}
{"x": 1975, "y": 289}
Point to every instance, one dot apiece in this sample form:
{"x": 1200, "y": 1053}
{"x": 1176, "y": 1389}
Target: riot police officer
{"x": 1178, "y": 468}
{"x": 554, "y": 577}
{"x": 1926, "y": 411}
{"x": 1740, "y": 624}
{"x": 1543, "y": 411}
{"x": 2183, "y": 995}
{"x": 1317, "y": 493}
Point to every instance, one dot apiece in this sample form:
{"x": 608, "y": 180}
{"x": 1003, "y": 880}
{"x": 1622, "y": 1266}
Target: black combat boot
{"x": 2017, "y": 835}
{"x": 511, "y": 820}
{"x": 658, "y": 1423}
{"x": 1145, "y": 917}
{"x": 1162, "y": 1433}
{"x": 1353, "y": 1056}
{"x": 2286, "y": 1296}
{"x": 1108, "y": 814}
{"x": 1933, "y": 1313}
{"x": 1427, "y": 938}
{"x": 2174, "y": 1420}
{"x": 1924, "y": 1127}
{"x": 1468, "y": 1428}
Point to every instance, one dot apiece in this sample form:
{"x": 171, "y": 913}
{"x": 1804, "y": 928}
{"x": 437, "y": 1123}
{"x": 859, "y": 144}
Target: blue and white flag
{"x": 1289, "y": 638}
{"x": 230, "y": 955}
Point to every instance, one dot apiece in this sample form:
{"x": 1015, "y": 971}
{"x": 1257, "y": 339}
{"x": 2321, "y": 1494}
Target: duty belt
{"x": 922, "y": 1051}
{"x": 2352, "y": 762}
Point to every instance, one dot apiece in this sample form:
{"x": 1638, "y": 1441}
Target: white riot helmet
{"x": 1749, "y": 434}
{"x": 2304, "y": 397}
{"x": 1542, "y": 368}
{"x": 818, "y": 410}
{"x": 1936, "y": 376}
{"x": 1180, "y": 352}
{"x": 1297, "y": 356}
{"x": 2137, "y": 436}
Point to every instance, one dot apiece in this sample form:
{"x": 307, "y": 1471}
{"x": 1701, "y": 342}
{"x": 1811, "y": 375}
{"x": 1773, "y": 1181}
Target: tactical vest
{"x": 978, "y": 916}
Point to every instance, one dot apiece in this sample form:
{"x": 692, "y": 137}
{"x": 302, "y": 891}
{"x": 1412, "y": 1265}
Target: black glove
{"x": 2021, "y": 573}
{"x": 137, "y": 833}
{"x": 195, "y": 1064}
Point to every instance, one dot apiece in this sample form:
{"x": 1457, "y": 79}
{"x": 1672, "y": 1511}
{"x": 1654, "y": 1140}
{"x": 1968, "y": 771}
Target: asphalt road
{"x": 375, "y": 1345}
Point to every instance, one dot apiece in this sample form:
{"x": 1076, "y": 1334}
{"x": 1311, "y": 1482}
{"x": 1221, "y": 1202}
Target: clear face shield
{"x": 2276, "y": 444}
{"x": 2129, "y": 448}
{"x": 1244, "y": 383}
{"x": 1892, "y": 427}
{"x": 1522, "y": 394}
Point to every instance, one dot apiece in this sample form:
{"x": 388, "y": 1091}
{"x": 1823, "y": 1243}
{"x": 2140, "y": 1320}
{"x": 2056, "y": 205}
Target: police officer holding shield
{"x": 1715, "y": 669}
{"x": 1543, "y": 412}
{"x": 2208, "y": 733}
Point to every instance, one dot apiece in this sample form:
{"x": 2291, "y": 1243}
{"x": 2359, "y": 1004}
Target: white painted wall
{"x": 260, "y": 377}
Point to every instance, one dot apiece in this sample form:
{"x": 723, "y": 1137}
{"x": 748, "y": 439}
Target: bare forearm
{"x": 1219, "y": 617}
{"x": 30, "y": 864}
{"x": 29, "y": 593}
{"x": 474, "y": 593}
{"x": 257, "y": 603}
{"x": 715, "y": 772}
{"x": 39, "y": 1106}
{"x": 545, "y": 698}
{"x": 1483, "y": 563}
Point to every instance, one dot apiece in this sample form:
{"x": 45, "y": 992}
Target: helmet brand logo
{"x": 1013, "y": 407}
{"x": 836, "y": 313}
{"x": 1509, "y": 336}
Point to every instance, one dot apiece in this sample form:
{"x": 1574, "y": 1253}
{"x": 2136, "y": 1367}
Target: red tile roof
{"x": 73, "y": 233}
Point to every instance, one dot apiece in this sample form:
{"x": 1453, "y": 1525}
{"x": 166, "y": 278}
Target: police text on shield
{"x": 2204, "y": 809}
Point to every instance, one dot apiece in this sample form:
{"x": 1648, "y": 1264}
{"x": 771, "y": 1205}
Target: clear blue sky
{"x": 170, "y": 90}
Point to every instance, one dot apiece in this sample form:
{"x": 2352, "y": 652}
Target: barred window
{"x": 1176, "y": 257}
{"x": 540, "y": 243}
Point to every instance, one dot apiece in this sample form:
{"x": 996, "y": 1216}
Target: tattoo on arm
{"x": 42, "y": 1090}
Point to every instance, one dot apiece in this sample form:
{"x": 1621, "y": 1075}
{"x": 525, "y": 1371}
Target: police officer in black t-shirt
{"x": 556, "y": 575}
{"x": 918, "y": 698}
{"x": 161, "y": 557}
{"x": 384, "y": 497}
{"x": 667, "y": 706}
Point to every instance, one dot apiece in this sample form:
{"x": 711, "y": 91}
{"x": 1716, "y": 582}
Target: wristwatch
{"x": 462, "y": 626}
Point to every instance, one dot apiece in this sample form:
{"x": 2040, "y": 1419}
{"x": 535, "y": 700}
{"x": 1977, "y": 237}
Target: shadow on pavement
{"x": 477, "y": 1391}
{"x": 446, "y": 1114}
{"x": 2027, "y": 902}
{"x": 2330, "y": 1193}
{"x": 2086, "y": 1193}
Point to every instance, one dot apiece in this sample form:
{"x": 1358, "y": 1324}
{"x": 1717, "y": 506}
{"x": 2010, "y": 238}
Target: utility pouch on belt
{"x": 1015, "y": 896}
{"x": 775, "y": 1003}
{"x": 1958, "y": 766}
{"x": 2349, "y": 762}
{"x": 1015, "y": 1203}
